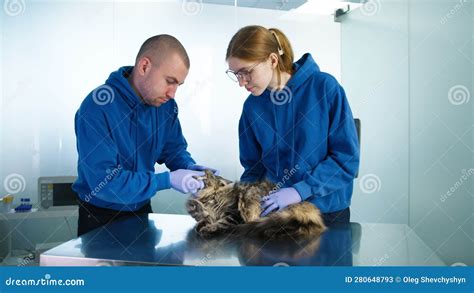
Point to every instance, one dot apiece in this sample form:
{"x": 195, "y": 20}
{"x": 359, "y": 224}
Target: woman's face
{"x": 254, "y": 76}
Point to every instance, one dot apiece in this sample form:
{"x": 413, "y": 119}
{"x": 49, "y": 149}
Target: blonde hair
{"x": 255, "y": 43}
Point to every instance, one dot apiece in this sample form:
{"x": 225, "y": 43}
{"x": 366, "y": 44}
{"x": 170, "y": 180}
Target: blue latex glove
{"x": 196, "y": 167}
{"x": 184, "y": 180}
{"x": 279, "y": 200}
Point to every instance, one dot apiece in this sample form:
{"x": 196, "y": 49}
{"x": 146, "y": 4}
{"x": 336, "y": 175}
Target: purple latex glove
{"x": 196, "y": 167}
{"x": 279, "y": 200}
{"x": 184, "y": 180}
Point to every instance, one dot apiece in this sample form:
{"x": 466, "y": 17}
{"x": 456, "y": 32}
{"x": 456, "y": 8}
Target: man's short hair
{"x": 161, "y": 46}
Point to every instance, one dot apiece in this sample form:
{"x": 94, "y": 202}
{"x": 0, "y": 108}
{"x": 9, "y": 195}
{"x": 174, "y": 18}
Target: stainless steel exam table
{"x": 162, "y": 239}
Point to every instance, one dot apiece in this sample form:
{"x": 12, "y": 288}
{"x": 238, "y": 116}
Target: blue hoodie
{"x": 303, "y": 136}
{"x": 119, "y": 140}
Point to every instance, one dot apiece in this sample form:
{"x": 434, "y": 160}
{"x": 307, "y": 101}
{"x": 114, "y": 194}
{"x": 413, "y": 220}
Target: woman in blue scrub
{"x": 296, "y": 128}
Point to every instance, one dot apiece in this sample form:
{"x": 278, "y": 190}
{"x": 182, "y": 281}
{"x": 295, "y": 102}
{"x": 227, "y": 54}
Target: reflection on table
{"x": 159, "y": 239}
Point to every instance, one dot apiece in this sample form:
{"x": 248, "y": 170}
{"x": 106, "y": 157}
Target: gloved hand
{"x": 279, "y": 200}
{"x": 184, "y": 180}
{"x": 196, "y": 167}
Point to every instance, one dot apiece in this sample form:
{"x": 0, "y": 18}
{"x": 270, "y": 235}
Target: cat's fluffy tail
{"x": 297, "y": 221}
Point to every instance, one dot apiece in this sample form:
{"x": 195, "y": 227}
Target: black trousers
{"x": 342, "y": 216}
{"x": 92, "y": 217}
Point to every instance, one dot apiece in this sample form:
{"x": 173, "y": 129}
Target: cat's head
{"x": 212, "y": 201}
{"x": 213, "y": 185}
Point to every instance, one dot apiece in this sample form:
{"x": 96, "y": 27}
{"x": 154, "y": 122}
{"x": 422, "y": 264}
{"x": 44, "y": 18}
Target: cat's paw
{"x": 205, "y": 229}
{"x": 195, "y": 209}
{"x": 200, "y": 225}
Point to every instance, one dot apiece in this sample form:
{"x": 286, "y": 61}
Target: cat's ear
{"x": 209, "y": 173}
{"x": 215, "y": 181}
{"x": 210, "y": 180}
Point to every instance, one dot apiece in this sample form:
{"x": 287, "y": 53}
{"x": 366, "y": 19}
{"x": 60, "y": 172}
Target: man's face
{"x": 160, "y": 81}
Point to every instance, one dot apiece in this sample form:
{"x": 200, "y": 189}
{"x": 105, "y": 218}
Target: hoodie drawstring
{"x": 293, "y": 134}
{"x": 276, "y": 139}
{"x": 275, "y": 121}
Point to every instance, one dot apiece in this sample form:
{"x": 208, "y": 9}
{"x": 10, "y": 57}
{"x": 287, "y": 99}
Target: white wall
{"x": 55, "y": 52}
{"x": 400, "y": 59}
{"x": 374, "y": 74}
{"x": 441, "y": 130}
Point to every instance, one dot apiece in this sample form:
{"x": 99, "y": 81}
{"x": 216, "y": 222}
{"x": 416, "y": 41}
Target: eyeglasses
{"x": 244, "y": 75}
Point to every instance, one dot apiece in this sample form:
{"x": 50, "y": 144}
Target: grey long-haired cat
{"x": 223, "y": 207}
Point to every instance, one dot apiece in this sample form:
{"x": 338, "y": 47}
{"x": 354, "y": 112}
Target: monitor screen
{"x": 64, "y": 195}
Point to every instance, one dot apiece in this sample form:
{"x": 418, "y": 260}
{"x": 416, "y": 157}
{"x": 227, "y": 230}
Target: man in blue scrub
{"x": 123, "y": 128}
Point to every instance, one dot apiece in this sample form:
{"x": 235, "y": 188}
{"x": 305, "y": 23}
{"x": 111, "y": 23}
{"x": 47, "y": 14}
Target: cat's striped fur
{"x": 223, "y": 207}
